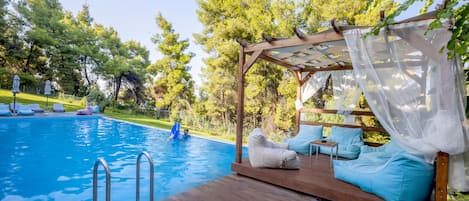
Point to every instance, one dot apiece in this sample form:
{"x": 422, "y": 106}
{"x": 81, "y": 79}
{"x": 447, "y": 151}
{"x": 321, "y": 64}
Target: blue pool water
{"x": 52, "y": 159}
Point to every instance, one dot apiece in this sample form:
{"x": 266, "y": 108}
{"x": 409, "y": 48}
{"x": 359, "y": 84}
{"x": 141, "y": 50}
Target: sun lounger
{"x": 4, "y": 111}
{"x": 14, "y": 107}
{"x": 58, "y": 108}
{"x": 25, "y": 110}
{"x": 36, "y": 108}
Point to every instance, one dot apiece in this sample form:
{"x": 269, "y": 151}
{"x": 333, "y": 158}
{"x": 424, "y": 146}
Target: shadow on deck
{"x": 315, "y": 177}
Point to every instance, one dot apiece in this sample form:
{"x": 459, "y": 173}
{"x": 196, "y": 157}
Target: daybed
{"x": 263, "y": 153}
{"x": 389, "y": 172}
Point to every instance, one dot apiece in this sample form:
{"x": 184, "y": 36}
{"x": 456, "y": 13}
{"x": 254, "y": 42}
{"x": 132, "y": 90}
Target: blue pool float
{"x": 175, "y": 130}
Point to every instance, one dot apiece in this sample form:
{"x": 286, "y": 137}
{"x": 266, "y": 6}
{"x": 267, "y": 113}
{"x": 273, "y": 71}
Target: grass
{"x": 146, "y": 120}
{"x": 6, "y": 97}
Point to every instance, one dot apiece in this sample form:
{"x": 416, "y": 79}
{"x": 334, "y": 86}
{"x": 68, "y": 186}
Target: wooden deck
{"x": 315, "y": 177}
{"x": 240, "y": 188}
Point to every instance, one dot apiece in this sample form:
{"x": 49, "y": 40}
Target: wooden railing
{"x": 325, "y": 111}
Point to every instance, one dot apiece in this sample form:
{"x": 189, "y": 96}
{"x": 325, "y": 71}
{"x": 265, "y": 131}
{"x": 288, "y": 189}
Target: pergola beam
{"x": 268, "y": 38}
{"x": 299, "y": 33}
{"x": 331, "y": 68}
{"x": 336, "y": 28}
{"x": 314, "y": 39}
{"x": 278, "y": 62}
{"x": 242, "y": 42}
{"x": 307, "y": 77}
{"x": 251, "y": 61}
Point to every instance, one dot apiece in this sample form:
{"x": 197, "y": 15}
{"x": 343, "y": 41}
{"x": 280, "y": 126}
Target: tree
{"x": 454, "y": 10}
{"x": 86, "y": 45}
{"x": 124, "y": 62}
{"x": 318, "y": 13}
{"x": 268, "y": 104}
{"x": 50, "y": 42}
{"x": 174, "y": 87}
{"x": 137, "y": 59}
{"x": 11, "y": 45}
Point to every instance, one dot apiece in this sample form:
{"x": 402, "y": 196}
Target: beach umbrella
{"x": 47, "y": 92}
{"x": 16, "y": 89}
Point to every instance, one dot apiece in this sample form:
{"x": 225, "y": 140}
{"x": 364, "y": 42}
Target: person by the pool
{"x": 186, "y": 134}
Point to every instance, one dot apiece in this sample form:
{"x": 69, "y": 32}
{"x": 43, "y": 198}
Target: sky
{"x": 135, "y": 20}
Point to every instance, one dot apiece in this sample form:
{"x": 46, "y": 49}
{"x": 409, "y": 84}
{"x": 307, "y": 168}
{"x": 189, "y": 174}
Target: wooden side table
{"x": 318, "y": 143}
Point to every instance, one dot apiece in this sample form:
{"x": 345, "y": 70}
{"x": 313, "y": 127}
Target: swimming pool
{"x": 52, "y": 158}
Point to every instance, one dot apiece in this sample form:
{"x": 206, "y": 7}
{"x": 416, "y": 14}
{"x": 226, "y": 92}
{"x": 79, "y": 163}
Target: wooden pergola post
{"x": 243, "y": 69}
{"x": 298, "y": 97}
{"x": 240, "y": 106}
{"x": 441, "y": 176}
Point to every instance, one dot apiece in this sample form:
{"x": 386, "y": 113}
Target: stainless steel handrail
{"x": 152, "y": 173}
{"x": 95, "y": 179}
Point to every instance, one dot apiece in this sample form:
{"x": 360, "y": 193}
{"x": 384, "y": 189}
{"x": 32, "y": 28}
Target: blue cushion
{"x": 349, "y": 139}
{"x": 300, "y": 143}
{"x": 400, "y": 177}
{"x": 346, "y": 136}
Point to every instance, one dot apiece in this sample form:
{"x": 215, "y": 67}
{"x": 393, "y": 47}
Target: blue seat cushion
{"x": 400, "y": 177}
{"x": 300, "y": 143}
{"x": 349, "y": 139}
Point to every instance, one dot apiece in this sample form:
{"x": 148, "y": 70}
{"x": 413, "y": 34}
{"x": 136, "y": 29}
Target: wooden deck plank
{"x": 240, "y": 188}
{"x": 315, "y": 177}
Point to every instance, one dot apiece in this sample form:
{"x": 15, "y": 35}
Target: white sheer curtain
{"x": 414, "y": 90}
{"x": 317, "y": 81}
{"x": 346, "y": 93}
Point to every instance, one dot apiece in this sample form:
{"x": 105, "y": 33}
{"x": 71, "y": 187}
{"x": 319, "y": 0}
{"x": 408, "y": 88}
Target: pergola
{"x": 304, "y": 55}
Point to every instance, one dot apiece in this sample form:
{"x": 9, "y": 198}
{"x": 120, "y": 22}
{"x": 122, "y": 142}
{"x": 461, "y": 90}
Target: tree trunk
{"x": 86, "y": 71}
{"x": 118, "y": 86}
{"x": 28, "y": 60}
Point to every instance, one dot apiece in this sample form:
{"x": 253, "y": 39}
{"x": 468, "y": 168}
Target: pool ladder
{"x": 108, "y": 177}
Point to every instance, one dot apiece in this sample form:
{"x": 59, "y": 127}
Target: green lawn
{"x": 146, "y": 120}
{"x": 6, "y": 97}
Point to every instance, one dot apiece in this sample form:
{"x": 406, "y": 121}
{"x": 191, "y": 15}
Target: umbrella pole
{"x": 14, "y": 103}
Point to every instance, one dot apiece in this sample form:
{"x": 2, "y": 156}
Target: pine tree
{"x": 174, "y": 87}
